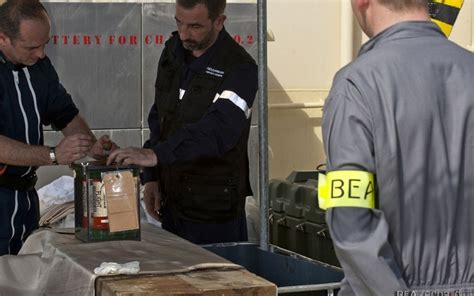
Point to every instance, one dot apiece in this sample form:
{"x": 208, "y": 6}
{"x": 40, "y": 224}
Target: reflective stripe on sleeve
{"x": 346, "y": 189}
{"x": 181, "y": 93}
{"x": 236, "y": 100}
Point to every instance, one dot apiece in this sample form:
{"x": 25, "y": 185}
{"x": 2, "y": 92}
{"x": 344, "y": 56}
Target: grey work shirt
{"x": 404, "y": 110}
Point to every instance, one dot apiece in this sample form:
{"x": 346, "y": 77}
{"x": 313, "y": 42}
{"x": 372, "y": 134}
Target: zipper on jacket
{"x": 27, "y": 137}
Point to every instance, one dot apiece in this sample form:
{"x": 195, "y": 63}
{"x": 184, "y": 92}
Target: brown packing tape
{"x": 121, "y": 195}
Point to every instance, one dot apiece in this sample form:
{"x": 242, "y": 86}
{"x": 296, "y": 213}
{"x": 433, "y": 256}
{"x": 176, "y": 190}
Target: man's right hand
{"x": 152, "y": 199}
{"x": 72, "y": 148}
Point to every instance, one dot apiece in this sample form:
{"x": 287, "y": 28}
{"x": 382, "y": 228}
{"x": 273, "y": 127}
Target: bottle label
{"x": 100, "y": 219}
{"x": 85, "y": 212}
{"x": 100, "y": 203}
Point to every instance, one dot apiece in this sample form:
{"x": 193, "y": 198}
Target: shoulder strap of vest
{"x": 232, "y": 55}
{"x": 169, "y": 57}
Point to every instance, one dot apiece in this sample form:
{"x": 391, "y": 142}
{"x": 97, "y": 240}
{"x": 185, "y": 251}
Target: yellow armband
{"x": 346, "y": 189}
{"x": 444, "y": 13}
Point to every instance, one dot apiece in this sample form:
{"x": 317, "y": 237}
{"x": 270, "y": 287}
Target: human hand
{"x": 102, "y": 147}
{"x": 152, "y": 199}
{"x": 132, "y": 155}
{"x": 72, "y": 148}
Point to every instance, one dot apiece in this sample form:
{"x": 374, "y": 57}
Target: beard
{"x": 191, "y": 45}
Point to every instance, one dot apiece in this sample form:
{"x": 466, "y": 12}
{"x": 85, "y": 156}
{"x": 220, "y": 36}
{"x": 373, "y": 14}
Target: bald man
{"x": 398, "y": 135}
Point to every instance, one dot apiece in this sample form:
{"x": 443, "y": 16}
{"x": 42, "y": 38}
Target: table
{"x": 56, "y": 263}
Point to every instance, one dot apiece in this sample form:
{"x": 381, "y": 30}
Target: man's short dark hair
{"x": 215, "y": 7}
{"x": 398, "y": 5}
{"x": 12, "y": 12}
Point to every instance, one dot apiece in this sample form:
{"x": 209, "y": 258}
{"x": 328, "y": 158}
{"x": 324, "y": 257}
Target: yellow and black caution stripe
{"x": 444, "y": 13}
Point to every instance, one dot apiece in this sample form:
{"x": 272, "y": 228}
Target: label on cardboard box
{"x": 121, "y": 195}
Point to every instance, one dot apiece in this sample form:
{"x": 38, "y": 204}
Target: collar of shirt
{"x": 402, "y": 30}
{"x": 8, "y": 64}
{"x": 199, "y": 64}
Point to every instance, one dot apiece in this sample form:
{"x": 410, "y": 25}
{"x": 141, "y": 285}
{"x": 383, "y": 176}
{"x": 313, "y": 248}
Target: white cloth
{"x": 116, "y": 268}
{"x": 57, "y": 192}
{"x": 50, "y": 263}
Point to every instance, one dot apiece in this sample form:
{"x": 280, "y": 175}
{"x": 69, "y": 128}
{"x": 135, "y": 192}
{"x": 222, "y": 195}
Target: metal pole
{"x": 263, "y": 123}
{"x": 329, "y": 287}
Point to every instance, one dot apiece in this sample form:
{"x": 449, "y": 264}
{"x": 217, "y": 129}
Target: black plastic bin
{"x": 296, "y": 222}
{"x": 292, "y": 273}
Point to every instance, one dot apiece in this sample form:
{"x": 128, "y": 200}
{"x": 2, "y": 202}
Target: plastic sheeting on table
{"x": 52, "y": 263}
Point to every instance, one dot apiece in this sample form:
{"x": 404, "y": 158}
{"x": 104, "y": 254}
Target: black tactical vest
{"x": 206, "y": 189}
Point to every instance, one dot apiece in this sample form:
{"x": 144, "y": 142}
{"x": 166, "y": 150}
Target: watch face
{"x": 52, "y": 155}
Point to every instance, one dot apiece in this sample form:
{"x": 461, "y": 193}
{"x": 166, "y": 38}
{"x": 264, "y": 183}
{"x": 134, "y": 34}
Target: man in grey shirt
{"x": 402, "y": 116}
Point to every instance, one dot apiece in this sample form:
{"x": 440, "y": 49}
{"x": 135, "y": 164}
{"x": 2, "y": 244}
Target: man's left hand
{"x": 102, "y": 147}
{"x": 131, "y": 155}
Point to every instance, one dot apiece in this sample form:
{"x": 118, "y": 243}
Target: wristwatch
{"x": 52, "y": 155}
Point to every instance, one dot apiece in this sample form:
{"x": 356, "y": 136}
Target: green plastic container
{"x": 91, "y": 220}
{"x": 296, "y": 221}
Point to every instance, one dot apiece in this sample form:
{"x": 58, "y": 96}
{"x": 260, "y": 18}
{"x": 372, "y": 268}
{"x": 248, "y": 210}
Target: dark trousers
{"x": 205, "y": 233}
{"x": 19, "y": 216}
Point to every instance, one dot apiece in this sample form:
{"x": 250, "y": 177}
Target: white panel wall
{"x": 308, "y": 49}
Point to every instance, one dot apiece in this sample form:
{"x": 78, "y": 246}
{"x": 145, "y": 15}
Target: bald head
{"x": 375, "y": 16}
{"x": 13, "y": 12}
